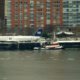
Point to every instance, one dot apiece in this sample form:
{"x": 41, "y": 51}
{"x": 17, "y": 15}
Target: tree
{"x": 48, "y": 31}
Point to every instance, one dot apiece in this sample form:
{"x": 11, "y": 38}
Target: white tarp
{"x": 66, "y": 33}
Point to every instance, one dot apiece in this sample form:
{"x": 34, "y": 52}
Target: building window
{"x": 16, "y": 17}
{"x": 42, "y": 6}
{"x": 57, "y": 9}
{"x": 58, "y": 21}
{"x": 54, "y": 17}
{"x": 42, "y": 25}
{"x": 25, "y": 25}
{"x": 32, "y": 22}
{"x": 25, "y": 17}
{"x": 21, "y": 10}
{"x": 58, "y": 17}
{"x": 38, "y": 18}
{"x": 25, "y": 4}
{"x": 48, "y": 0}
{"x": 25, "y": 21}
{"x": 21, "y": 17}
{"x": 54, "y": 10}
{"x": 42, "y": 17}
{"x": 38, "y": 21}
{"x": 48, "y": 21}
{"x": 16, "y": 22}
{"x": 21, "y": 6}
{"x": 54, "y": 14}
{"x": 25, "y": 10}
{"x": 42, "y": 21}
{"x": 21, "y": 2}
{"x": 40, "y": 9}
{"x": 21, "y": 21}
{"x": 54, "y": 21}
{"x": 38, "y": 3}
{"x": 31, "y": 16}
{"x": 48, "y": 10}
{"x": 48, "y": 4}
{"x": 32, "y": 25}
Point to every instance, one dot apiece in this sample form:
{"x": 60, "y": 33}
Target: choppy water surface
{"x": 40, "y": 65}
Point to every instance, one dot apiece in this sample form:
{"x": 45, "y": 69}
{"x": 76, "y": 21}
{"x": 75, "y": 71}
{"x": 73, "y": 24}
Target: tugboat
{"x": 53, "y": 46}
{"x": 49, "y": 46}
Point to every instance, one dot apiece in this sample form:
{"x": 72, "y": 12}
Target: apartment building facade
{"x": 33, "y": 13}
{"x": 71, "y": 13}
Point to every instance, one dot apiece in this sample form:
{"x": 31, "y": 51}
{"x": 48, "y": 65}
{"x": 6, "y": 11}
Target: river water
{"x": 40, "y": 65}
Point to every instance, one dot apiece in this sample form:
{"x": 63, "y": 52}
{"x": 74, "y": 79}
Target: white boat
{"x": 49, "y": 46}
{"x": 54, "y": 45}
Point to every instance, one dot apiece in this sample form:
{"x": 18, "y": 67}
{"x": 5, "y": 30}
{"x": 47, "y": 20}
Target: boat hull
{"x": 6, "y": 45}
{"x": 28, "y": 46}
{"x": 70, "y": 44}
{"x": 51, "y": 46}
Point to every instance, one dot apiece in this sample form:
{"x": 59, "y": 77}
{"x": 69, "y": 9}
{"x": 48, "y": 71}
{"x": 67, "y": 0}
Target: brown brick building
{"x": 34, "y": 13}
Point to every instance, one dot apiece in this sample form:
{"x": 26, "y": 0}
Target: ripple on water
{"x": 5, "y": 58}
{"x": 4, "y": 78}
{"x": 71, "y": 59}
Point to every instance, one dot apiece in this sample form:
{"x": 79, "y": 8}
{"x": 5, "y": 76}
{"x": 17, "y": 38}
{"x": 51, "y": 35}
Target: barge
{"x": 22, "y": 45}
{"x": 70, "y": 44}
{"x": 8, "y": 45}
